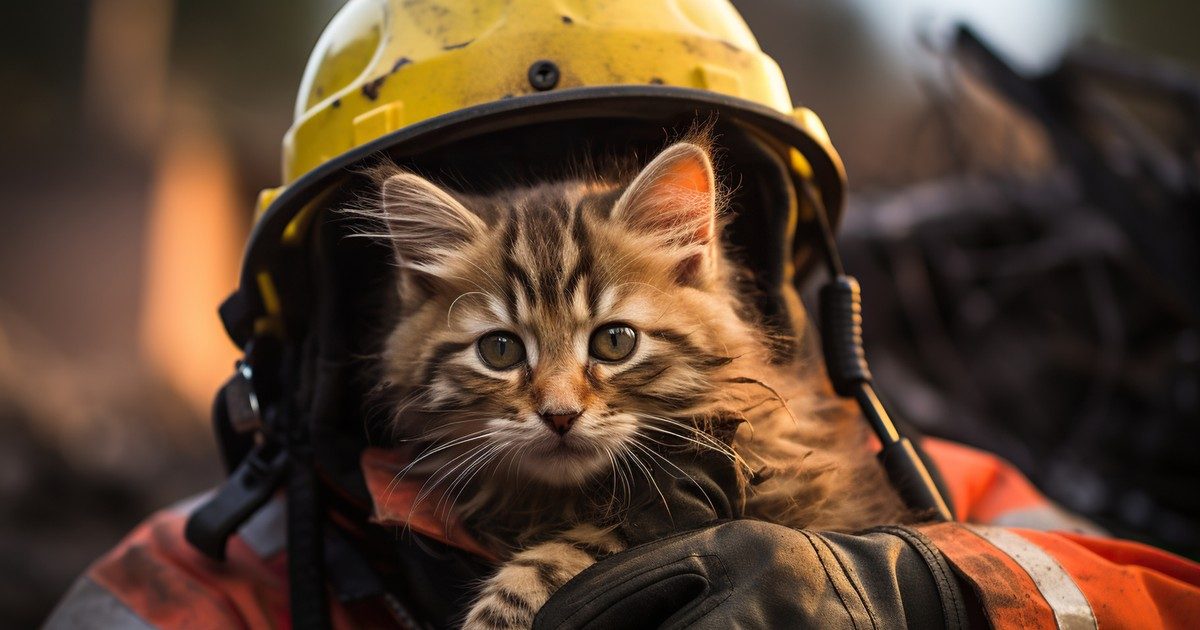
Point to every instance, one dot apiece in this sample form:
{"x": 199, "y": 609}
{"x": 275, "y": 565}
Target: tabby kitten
{"x": 552, "y": 338}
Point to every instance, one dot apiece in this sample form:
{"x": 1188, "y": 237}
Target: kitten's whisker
{"x": 487, "y": 277}
{"x": 712, "y": 441}
{"x": 711, "y": 444}
{"x": 450, "y": 310}
{"x": 622, "y": 263}
{"x": 475, "y": 417}
{"x": 418, "y": 394}
{"x": 464, "y": 477}
{"x": 476, "y": 285}
{"x": 438, "y": 476}
{"x": 455, "y": 475}
{"x": 624, "y": 471}
{"x": 612, "y": 462}
{"x": 746, "y": 380}
{"x": 619, "y": 498}
{"x": 482, "y": 462}
{"x": 654, "y": 483}
{"x": 456, "y": 462}
{"x": 639, "y": 283}
{"x": 515, "y": 460}
{"x": 430, "y": 451}
{"x": 676, "y": 446}
{"x": 758, "y": 404}
{"x": 681, "y": 471}
{"x": 479, "y": 466}
{"x": 404, "y": 471}
{"x": 432, "y": 481}
{"x": 510, "y": 457}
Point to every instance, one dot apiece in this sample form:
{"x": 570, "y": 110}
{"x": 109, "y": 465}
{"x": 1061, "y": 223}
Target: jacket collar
{"x": 394, "y": 502}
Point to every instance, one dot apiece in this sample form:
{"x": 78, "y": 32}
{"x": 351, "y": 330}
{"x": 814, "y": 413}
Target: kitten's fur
{"x": 551, "y": 263}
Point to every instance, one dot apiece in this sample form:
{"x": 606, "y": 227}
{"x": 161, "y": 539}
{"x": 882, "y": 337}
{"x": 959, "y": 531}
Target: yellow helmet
{"x": 410, "y": 78}
{"x": 487, "y": 92}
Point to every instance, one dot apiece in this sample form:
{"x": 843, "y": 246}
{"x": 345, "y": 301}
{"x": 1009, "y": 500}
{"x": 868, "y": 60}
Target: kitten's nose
{"x": 560, "y": 421}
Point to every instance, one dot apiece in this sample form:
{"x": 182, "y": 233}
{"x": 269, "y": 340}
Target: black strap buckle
{"x": 247, "y": 488}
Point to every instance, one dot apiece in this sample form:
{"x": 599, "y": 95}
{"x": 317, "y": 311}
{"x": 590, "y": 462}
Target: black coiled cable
{"x": 840, "y": 314}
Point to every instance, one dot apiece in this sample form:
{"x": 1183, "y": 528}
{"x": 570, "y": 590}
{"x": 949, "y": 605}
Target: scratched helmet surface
{"x": 384, "y": 64}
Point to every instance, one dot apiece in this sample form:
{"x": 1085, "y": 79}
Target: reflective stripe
{"x": 1071, "y": 608}
{"x": 1048, "y": 518}
{"x": 266, "y": 531}
{"x": 89, "y": 605}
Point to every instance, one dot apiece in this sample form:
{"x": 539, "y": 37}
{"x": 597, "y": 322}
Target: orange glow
{"x": 193, "y": 242}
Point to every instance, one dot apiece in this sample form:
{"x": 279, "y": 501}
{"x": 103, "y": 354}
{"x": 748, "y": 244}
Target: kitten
{"x": 551, "y": 338}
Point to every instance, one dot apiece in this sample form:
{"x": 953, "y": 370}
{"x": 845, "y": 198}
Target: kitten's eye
{"x": 612, "y": 342}
{"x": 501, "y": 350}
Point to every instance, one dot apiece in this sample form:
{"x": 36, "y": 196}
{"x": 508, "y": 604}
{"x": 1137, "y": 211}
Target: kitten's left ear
{"x": 675, "y": 199}
{"x": 427, "y": 227}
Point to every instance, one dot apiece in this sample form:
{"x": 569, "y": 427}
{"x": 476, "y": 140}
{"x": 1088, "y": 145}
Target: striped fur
{"x": 550, "y": 264}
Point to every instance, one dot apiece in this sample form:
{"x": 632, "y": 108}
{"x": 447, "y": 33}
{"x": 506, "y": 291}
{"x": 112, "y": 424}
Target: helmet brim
{"x": 649, "y": 103}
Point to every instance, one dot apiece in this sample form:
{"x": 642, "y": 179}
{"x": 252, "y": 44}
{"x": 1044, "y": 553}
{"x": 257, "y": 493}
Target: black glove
{"x": 750, "y": 574}
{"x": 722, "y": 572}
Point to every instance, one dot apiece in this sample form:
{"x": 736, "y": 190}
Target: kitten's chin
{"x": 563, "y": 465}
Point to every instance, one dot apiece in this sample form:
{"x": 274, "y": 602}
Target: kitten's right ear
{"x": 426, "y": 225}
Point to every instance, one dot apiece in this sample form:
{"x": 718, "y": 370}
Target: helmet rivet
{"x": 543, "y": 75}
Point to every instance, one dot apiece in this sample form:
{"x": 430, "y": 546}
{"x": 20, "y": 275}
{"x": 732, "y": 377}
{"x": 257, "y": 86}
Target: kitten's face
{"x": 562, "y": 328}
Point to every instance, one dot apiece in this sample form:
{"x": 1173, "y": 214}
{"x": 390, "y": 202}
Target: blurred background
{"x": 1023, "y": 218}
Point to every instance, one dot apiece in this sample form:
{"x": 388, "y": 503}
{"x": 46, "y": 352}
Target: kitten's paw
{"x": 512, "y": 597}
{"x": 501, "y": 610}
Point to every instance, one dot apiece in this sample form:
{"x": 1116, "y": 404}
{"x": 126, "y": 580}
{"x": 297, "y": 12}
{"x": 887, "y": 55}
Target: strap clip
{"x": 241, "y": 403}
{"x": 246, "y": 490}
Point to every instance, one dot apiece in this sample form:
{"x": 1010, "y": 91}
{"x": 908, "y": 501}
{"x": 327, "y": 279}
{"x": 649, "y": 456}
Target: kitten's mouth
{"x": 564, "y": 462}
{"x": 563, "y": 447}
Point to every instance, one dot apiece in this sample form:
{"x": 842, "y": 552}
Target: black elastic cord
{"x": 305, "y": 520}
{"x": 846, "y": 362}
{"x": 833, "y": 259}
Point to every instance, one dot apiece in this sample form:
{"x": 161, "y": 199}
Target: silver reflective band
{"x": 1071, "y": 608}
{"x": 1048, "y": 518}
{"x": 266, "y": 531}
{"x": 88, "y": 605}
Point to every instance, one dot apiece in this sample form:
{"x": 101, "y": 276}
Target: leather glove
{"x": 723, "y": 572}
{"x": 750, "y": 574}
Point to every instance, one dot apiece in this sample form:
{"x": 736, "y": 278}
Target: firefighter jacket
{"x": 1014, "y": 560}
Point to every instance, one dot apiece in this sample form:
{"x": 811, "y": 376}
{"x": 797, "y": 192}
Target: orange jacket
{"x": 1029, "y": 563}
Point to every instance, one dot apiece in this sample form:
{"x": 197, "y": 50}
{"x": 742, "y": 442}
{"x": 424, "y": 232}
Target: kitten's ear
{"x": 425, "y": 223}
{"x": 675, "y": 199}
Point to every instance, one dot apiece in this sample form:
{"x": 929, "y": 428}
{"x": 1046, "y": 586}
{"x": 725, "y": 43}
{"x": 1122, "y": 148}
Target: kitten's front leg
{"x": 510, "y": 599}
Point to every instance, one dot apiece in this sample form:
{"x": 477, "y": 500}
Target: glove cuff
{"x": 948, "y": 588}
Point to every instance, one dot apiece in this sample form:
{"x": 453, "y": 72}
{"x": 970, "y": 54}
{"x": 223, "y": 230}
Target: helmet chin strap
{"x": 256, "y": 456}
{"x": 840, "y": 314}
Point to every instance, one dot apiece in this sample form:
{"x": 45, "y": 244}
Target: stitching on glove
{"x": 829, "y": 576}
{"x": 853, "y": 582}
